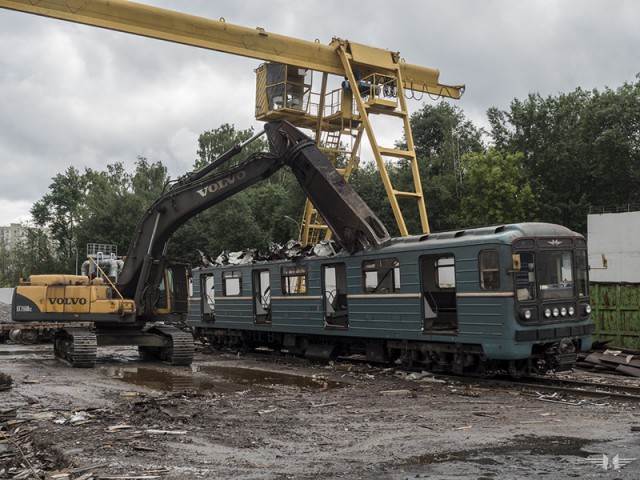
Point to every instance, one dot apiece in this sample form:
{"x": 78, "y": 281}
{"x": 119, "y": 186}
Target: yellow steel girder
{"x": 163, "y": 24}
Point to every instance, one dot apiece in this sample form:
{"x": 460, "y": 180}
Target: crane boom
{"x": 163, "y": 24}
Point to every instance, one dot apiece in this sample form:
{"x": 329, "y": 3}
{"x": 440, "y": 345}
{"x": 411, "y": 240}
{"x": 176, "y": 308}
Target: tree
{"x": 442, "y": 135}
{"x": 496, "y": 189}
{"x": 581, "y": 149}
{"x": 61, "y": 210}
{"x": 366, "y": 181}
{"x": 116, "y": 201}
{"x": 35, "y": 253}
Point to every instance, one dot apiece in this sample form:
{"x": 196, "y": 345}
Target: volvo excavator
{"x": 149, "y": 297}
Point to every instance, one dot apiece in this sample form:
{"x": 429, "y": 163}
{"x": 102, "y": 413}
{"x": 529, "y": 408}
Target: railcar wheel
{"x": 516, "y": 369}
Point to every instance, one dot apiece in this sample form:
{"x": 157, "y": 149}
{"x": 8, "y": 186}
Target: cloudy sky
{"x": 81, "y": 96}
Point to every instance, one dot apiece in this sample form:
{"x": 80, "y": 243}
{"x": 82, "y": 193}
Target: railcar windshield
{"x": 555, "y": 275}
{"x": 551, "y": 275}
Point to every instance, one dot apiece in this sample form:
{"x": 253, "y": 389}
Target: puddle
{"x": 217, "y": 379}
{"x": 534, "y": 446}
{"x": 167, "y": 382}
{"x": 248, "y": 376}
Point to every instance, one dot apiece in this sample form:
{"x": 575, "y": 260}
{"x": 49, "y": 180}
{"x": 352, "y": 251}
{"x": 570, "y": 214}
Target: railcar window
{"x": 555, "y": 274}
{"x": 232, "y": 283}
{"x": 294, "y": 280}
{"x": 381, "y": 275}
{"x": 526, "y": 277}
{"x": 489, "y": 270}
{"x": 582, "y": 273}
{"x": 445, "y": 272}
{"x": 208, "y": 297}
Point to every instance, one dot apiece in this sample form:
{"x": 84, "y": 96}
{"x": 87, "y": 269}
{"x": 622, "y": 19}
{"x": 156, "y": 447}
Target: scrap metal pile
{"x": 292, "y": 250}
{"x": 622, "y": 361}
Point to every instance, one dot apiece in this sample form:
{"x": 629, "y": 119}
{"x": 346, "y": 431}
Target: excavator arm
{"x": 354, "y": 225}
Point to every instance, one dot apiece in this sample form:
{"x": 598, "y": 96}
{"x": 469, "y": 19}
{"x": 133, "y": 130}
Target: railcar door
{"x": 261, "y": 297}
{"x": 207, "y": 297}
{"x": 439, "y": 305}
{"x": 334, "y": 285}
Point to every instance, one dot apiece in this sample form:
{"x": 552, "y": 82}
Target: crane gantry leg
{"x": 375, "y": 105}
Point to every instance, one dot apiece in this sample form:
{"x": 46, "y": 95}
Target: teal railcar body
{"x": 510, "y": 297}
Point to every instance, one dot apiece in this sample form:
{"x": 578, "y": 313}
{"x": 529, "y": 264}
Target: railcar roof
{"x": 497, "y": 234}
{"x": 505, "y": 234}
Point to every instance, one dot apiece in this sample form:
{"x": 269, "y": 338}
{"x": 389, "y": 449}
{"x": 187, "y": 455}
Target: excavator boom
{"x": 355, "y": 225}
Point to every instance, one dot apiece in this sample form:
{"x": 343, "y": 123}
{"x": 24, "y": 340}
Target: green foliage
{"x": 36, "y": 253}
{"x": 116, "y": 201}
{"x": 213, "y": 143}
{"x": 61, "y": 211}
{"x": 580, "y": 149}
{"x": 496, "y": 189}
{"x": 442, "y": 136}
{"x": 366, "y": 181}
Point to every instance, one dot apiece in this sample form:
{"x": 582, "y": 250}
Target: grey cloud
{"x": 76, "y": 95}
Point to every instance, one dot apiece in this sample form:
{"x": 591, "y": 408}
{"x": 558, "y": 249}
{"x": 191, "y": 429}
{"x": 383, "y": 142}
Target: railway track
{"x": 567, "y": 391}
{"x": 586, "y": 388}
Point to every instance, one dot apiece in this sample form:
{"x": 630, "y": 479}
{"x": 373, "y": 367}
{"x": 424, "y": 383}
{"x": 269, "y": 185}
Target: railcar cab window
{"x": 294, "y": 280}
{"x": 555, "y": 274}
{"x": 232, "y": 283}
{"x": 526, "y": 276}
{"x": 548, "y": 275}
{"x": 381, "y": 275}
{"x": 489, "y": 270}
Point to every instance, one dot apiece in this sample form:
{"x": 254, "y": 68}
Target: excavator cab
{"x": 173, "y": 293}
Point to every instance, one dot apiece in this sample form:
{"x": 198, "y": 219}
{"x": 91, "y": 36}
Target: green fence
{"x": 616, "y": 313}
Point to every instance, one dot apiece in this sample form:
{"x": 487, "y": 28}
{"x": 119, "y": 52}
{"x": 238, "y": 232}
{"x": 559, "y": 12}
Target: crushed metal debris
{"x": 292, "y": 250}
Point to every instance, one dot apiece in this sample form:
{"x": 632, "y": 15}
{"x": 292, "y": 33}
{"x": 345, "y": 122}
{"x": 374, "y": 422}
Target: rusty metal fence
{"x": 616, "y": 313}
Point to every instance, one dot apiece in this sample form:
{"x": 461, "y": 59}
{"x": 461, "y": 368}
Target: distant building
{"x": 9, "y": 236}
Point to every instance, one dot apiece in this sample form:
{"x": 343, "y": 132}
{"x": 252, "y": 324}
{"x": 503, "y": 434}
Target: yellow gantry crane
{"x": 373, "y": 82}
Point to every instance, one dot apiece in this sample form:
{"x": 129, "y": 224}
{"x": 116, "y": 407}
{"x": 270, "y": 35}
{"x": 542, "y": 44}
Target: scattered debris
{"x": 418, "y": 375}
{"x": 614, "y": 361}
{"x": 495, "y": 416}
{"x": 154, "y": 431}
{"x": 320, "y": 405}
{"x": 264, "y": 412}
{"x": 396, "y": 392}
{"x": 5, "y": 381}
{"x": 559, "y": 398}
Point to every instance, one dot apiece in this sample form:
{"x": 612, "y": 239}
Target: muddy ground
{"x": 251, "y": 417}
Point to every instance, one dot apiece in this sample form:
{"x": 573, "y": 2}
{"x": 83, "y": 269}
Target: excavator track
{"x": 76, "y": 346}
{"x": 181, "y": 350}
